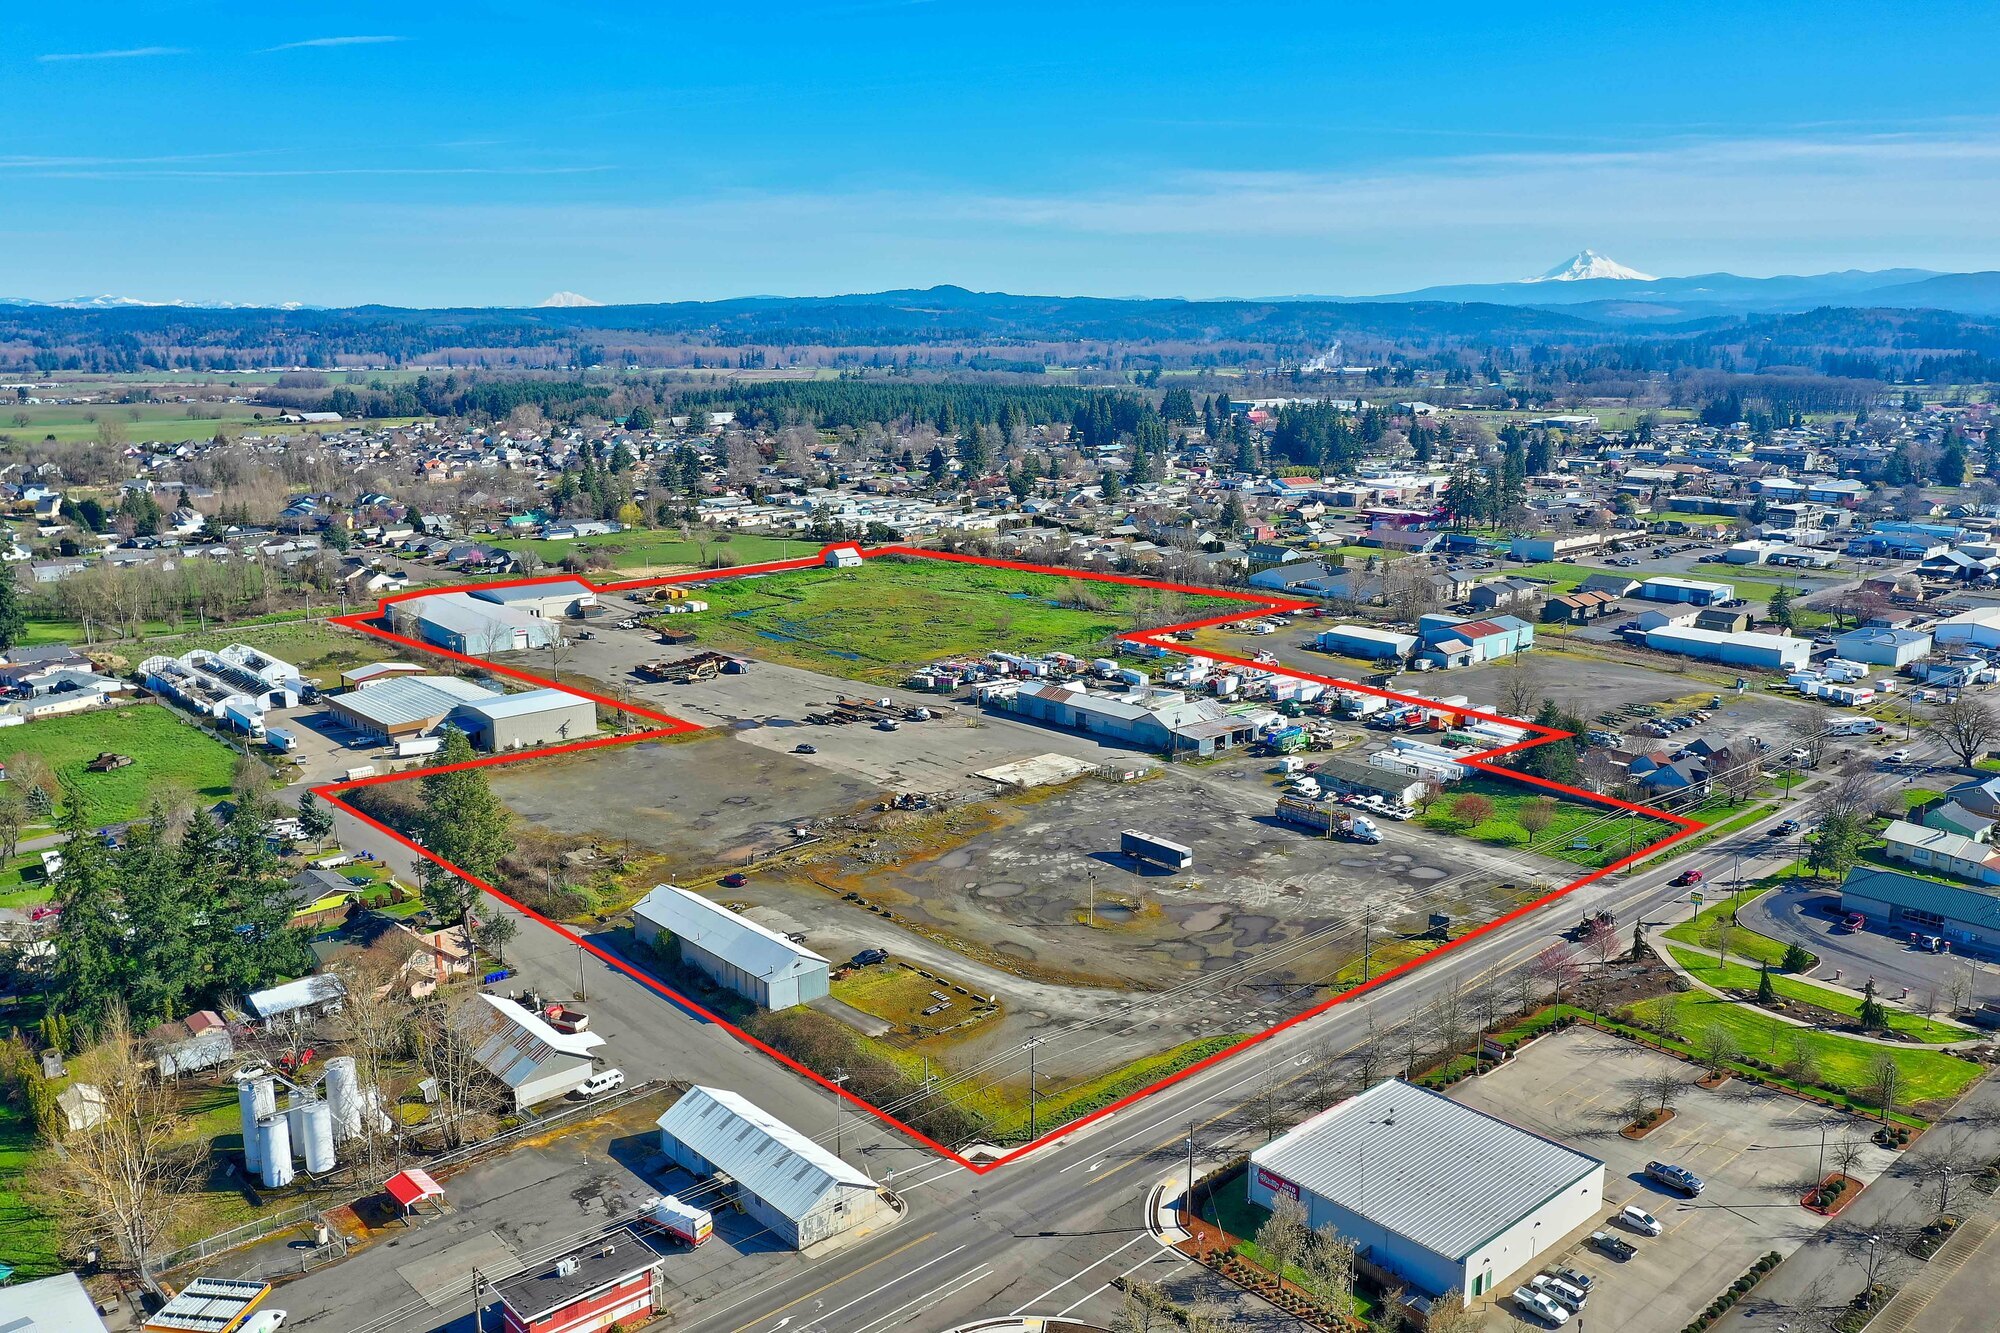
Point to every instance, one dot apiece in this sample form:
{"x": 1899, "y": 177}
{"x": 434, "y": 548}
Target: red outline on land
{"x": 1257, "y": 604}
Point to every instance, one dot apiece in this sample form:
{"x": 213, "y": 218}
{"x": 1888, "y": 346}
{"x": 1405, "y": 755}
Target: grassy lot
{"x": 1740, "y": 976}
{"x": 167, "y": 423}
{"x": 1845, "y": 1065}
{"x": 166, "y": 752}
{"x": 1609, "y": 834}
{"x": 22, "y": 884}
{"x": 27, "y": 1239}
{"x": 877, "y": 622}
{"x": 899, "y": 995}
{"x": 642, "y": 549}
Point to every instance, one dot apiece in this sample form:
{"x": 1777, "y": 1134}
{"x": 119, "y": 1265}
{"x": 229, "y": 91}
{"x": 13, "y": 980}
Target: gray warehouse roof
{"x": 532, "y": 592}
{"x": 759, "y": 1151}
{"x": 714, "y": 928}
{"x": 1418, "y": 1163}
{"x": 527, "y": 703}
{"x": 399, "y": 699}
{"x": 461, "y": 614}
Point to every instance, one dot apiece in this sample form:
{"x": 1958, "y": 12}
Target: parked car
{"x": 1675, "y": 1177}
{"x": 1562, "y": 1293}
{"x": 1535, "y": 1304}
{"x": 1897, "y": 758}
{"x": 1582, "y": 1281}
{"x": 264, "y": 1321}
{"x": 805, "y": 749}
{"x": 735, "y": 879}
{"x": 1641, "y": 1221}
{"x": 1617, "y": 1247}
{"x": 870, "y": 957}
{"x": 603, "y": 1081}
{"x": 1788, "y": 828}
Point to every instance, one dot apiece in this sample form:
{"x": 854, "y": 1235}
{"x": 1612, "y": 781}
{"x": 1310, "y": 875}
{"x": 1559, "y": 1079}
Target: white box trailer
{"x": 683, "y": 1221}
{"x": 424, "y": 745}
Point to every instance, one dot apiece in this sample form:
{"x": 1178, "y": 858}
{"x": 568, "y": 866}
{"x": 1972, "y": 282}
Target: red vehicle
{"x": 1687, "y": 877}
{"x": 1851, "y": 923}
{"x": 291, "y": 1064}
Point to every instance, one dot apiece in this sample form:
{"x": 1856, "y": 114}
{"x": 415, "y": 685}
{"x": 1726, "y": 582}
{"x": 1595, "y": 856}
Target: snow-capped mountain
{"x": 108, "y": 302}
{"x": 1590, "y": 264}
{"x": 566, "y": 300}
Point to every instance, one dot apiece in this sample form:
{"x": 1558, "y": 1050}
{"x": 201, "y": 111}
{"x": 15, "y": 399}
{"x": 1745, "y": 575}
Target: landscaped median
{"x": 1742, "y": 979}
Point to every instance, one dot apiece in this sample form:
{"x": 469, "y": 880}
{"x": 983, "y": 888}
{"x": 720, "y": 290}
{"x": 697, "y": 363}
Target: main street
{"x": 1048, "y": 1233}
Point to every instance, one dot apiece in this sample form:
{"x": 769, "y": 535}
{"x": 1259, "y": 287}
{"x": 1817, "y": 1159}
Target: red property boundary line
{"x": 1257, "y": 604}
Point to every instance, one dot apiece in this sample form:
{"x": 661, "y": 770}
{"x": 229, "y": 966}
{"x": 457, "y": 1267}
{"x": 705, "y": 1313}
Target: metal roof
{"x": 761, "y": 1153}
{"x": 532, "y": 592}
{"x": 1962, "y": 903}
{"x": 209, "y": 1305}
{"x": 316, "y": 989}
{"x": 617, "y": 1257}
{"x": 515, "y": 1044}
{"x": 56, "y": 1304}
{"x": 465, "y": 616}
{"x": 717, "y": 930}
{"x": 1417, "y": 1163}
{"x": 527, "y": 703}
{"x": 397, "y": 700}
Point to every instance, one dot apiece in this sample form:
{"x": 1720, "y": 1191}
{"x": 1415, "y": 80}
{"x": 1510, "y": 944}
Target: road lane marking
{"x": 938, "y": 1293}
{"x": 845, "y": 1276}
{"x": 1079, "y": 1273}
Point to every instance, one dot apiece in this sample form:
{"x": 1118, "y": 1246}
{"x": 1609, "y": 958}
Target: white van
{"x": 1853, "y": 726}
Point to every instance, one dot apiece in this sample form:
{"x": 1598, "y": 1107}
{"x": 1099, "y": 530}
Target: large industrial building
{"x": 1365, "y": 641}
{"x": 530, "y": 718}
{"x": 1765, "y": 652}
{"x": 549, "y": 601}
{"x": 759, "y": 964}
{"x": 783, "y": 1180}
{"x": 1167, "y": 721}
{"x": 459, "y": 622}
{"x": 235, "y": 686}
{"x": 400, "y": 708}
{"x": 1448, "y": 1198}
{"x": 518, "y": 1047}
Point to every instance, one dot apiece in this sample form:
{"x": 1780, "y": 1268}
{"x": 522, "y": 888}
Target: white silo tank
{"x": 343, "y": 1096}
{"x": 317, "y": 1145}
{"x": 255, "y": 1099}
{"x": 275, "y": 1144}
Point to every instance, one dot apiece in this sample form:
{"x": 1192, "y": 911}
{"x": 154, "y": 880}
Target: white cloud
{"x": 128, "y": 53}
{"x": 331, "y": 41}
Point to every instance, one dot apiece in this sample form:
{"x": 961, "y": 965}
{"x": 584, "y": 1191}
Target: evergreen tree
{"x": 1951, "y": 463}
{"x": 463, "y": 823}
{"x": 1872, "y": 1015}
{"x": 1110, "y": 487}
{"x": 1766, "y": 992}
{"x": 12, "y": 618}
{"x": 1234, "y": 517}
{"x": 315, "y": 820}
{"x": 1780, "y": 611}
{"x": 86, "y": 972}
{"x": 1141, "y": 470}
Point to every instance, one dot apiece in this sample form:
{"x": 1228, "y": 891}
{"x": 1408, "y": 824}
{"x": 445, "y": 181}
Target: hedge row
{"x": 1721, "y": 1304}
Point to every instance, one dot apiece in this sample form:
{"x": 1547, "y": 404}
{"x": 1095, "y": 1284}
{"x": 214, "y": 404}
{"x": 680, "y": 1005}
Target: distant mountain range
{"x": 1599, "y": 288}
{"x": 1588, "y": 289}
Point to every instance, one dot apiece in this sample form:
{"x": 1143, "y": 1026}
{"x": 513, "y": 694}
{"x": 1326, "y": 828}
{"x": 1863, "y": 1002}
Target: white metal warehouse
{"x": 1448, "y": 1198}
{"x": 757, "y": 963}
{"x": 784, "y": 1180}
{"x": 532, "y": 717}
{"x": 519, "y": 1048}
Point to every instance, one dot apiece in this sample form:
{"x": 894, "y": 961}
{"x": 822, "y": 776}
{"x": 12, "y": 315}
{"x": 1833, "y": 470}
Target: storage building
{"x": 402, "y": 708}
{"x": 461, "y": 623}
{"x": 1883, "y": 647}
{"x": 759, "y": 964}
{"x": 618, "y": 1279}
{"x": 518, "y": 1047}
{"x": 210, "y": 1305}
{"x": 549, "y": 601}
{"x": 1168, "y": 722}
{"x": 1693, "y": 592}
{"x": 1979, "y": 627}
{"x": 1765, "y": 652}
{"x": 1450, "y": 1199}
{"x": 1364, "y": 641}
{"x": 783, "y": 1179}
{"x": 533, "y": 717}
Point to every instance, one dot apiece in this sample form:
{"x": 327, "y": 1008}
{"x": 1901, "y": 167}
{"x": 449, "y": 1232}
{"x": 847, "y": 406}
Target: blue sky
{"x": 492, "y": 153}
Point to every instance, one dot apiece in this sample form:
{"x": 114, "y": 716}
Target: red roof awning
{"x": 412, "y": 1187}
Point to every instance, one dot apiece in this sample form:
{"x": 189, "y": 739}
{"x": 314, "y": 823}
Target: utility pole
{"x": 1033, "y": 1090}
{"x": 580, "y": 955}
{"x": 840, "y": 1077}
{"x": 1367, "y": 941}
{"x": 1093, "y": 898}
{"x": 1190, "y": 1188}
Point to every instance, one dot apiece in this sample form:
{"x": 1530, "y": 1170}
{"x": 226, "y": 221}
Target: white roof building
{"x": 56, "y": 1304}
{"x": 1450, "y": 1198}
{"x": 754, "y": 961}
{"x": 784, "y": 1179}
{"x": 319, "y": 991}
{"x": 519, "y": 1047}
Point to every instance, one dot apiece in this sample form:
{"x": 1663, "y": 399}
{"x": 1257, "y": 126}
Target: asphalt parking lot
{"x": 1758, "y": 1151}
{"x": 1802, "y": 912}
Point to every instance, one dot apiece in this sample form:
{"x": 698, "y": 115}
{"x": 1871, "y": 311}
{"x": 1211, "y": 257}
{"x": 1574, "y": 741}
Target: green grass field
{"x": 27, "y": 1238}
{"x": 319, "y": 649}
{"x": 166, "y": 752}
{"x": 1845, "y": 1065}
{"x": 1740, "y": 976}
{"x": 1698, "y": 931}
{"x": 1608, "y": 834}
{"x": 644, "y": 549}
{"x": 145, "y": 422}
{"x": 877, "y": 622}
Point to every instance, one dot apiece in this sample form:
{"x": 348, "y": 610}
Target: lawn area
{"x": 641, "y": 548}
{"x": 21, "y": 882}
{"x": 1844, "y": 1064}
{"x": 878, "y": 622}
{"x": 1743, "y": 943}
{"x": 1608, "y": 833}
{"x": 1740, "y": 976}
{"x": 166, "y": 753}
{"x": 166, "y": 423}
{"x": 899, "y": 995}
{"x": 27, "y": 1239}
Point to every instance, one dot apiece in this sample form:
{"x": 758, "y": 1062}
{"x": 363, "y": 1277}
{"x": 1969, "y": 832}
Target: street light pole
{"x": 1189, "y": 1209}
{"x": 839, "y": 1079}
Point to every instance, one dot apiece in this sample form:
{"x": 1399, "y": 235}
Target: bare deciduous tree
{"x": 1966, "y": 725}
{"x": 447, "y": 1040}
